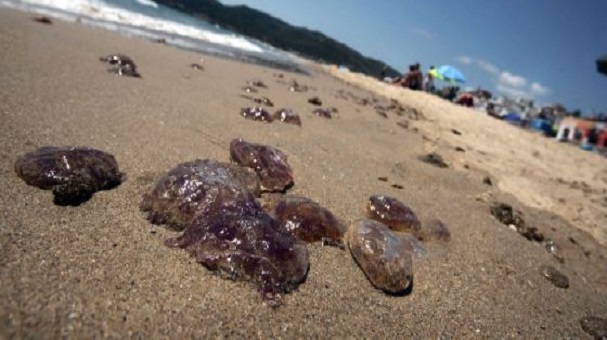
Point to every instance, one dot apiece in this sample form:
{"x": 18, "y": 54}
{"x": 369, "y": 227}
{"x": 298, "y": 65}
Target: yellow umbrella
{"x": 434, "y": 73}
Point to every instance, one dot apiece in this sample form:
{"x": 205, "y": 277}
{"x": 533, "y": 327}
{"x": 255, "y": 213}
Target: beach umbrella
{"x": 451, "y": 74}
{"x": 434, "y": 73}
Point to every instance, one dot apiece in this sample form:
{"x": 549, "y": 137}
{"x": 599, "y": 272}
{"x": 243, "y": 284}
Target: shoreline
{"x": 101, "y": 269}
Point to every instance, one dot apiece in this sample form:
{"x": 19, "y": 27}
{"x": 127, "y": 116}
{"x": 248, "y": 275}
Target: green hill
{"x": 261, "y": 26}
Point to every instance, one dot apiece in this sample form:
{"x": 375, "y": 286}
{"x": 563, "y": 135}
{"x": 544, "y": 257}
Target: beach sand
{"x": 101, "y": 270}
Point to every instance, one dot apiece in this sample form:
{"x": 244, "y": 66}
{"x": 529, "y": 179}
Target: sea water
{"x": 147, "y": 19}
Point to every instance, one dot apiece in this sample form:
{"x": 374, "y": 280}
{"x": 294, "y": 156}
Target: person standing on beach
{"x": 429, "y": 81}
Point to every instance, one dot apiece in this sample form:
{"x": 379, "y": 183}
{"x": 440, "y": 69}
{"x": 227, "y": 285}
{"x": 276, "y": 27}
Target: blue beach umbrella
{"x": 451, "y": 74}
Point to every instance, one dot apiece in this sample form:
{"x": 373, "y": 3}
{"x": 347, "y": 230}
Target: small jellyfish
{"x": 257, "y": 83}
{"x": 296, "y": 87}
{"x": 74, "y": 174}
{"x": 43, "y": 20}
{"x": 122, "y": 65}
{"x": 414, "y": 245}
{"x": 257, "y": 113}
{"x": 322, "y": 113}
{"x": 434, "y": 159}
{"x": 249, "y": 89}
{"x": 244, "y": 243}
{"x": 555, "y": 250}
{"x": 384, "y": 257}
{"x": 315, "y": 101}
{"x": 434, "y": 230}
{"x": 287, "y": 116}
{"x": 264, "y": 101}
{"x": 197, "y": 187}
{"x": 305, "y": 219}
{"x": 553, "y": 275}
{"x": 594, "y": 326}
{"x": 506, "y": 214}
{"x": 393, "y": 213}
{"x": 269, "y": 163}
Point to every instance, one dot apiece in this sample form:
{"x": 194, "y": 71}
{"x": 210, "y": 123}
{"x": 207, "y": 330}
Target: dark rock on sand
{"x": 385, "y": 258}
{"x": 269, "y": 163}
{"x": 487, "y": 180}
{"x": 434, "y": 159}
{"x": 122, "y": 65}
{"x": 305, "y": 219}
{"x": 287, "y": 116}
{"x": 393, "y": 213}
{"x": 594, "y": 326}
{"x": 198, "y": 187}
{"x": 553, "y": 275}
{"x": 397, "y": 186}
{"x": 382, "y": 179}
{"x": 257, "y": 113}
{"x": 459, "y": 149}
{"x": 72, "y": 173}
{"x": 197, "y": 67}
{"x": 241, "y": 242}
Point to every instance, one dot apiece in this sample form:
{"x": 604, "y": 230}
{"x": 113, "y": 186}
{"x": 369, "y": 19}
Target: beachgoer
{"x": 414, "y": 78}
{"x": 382, "y": 74}
{"x": 429, "y": 81}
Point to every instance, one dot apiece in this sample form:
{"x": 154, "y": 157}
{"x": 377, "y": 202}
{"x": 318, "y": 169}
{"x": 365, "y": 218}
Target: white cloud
{"x": 512, "y": 92}
{"x": 488, "y": 67}
{"x": 464, "y": 59}
{"x": 538, "y": 89}
{"x": 511, "y": 80}
{"x": 506, "y": 82}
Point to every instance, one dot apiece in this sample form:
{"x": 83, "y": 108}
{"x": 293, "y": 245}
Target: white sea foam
{"x": 148, "y": 3}
{"x": 148, "y": 17}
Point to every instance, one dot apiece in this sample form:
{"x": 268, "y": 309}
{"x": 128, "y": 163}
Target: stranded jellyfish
{"x": 269, "y": 163}
{"x": 392, "y": 213}
{"x": 241, "y": 242}
{"x": 72, "y": 173}
{"x": 122, "y": 65}
{"x": 287, "y": 116}
{"x": 257, "y": 113}
{"x": 197, "y": 187}
{"x": 384, "y": 257}
{"x": 305, "y": 219}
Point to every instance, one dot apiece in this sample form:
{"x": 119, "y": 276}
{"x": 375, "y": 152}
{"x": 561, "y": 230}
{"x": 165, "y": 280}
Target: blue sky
{"x": 540, "y": 49}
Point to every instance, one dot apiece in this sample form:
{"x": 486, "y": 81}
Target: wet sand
{"x": 100, "y": 269}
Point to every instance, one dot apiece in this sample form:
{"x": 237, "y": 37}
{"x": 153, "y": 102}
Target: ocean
{"x": 147, "y": 19}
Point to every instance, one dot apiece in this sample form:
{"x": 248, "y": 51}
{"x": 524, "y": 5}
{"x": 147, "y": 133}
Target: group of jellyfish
{"x": 237, "y": 219}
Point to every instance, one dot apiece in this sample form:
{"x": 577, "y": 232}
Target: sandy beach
{"x": 102, "y": 270}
